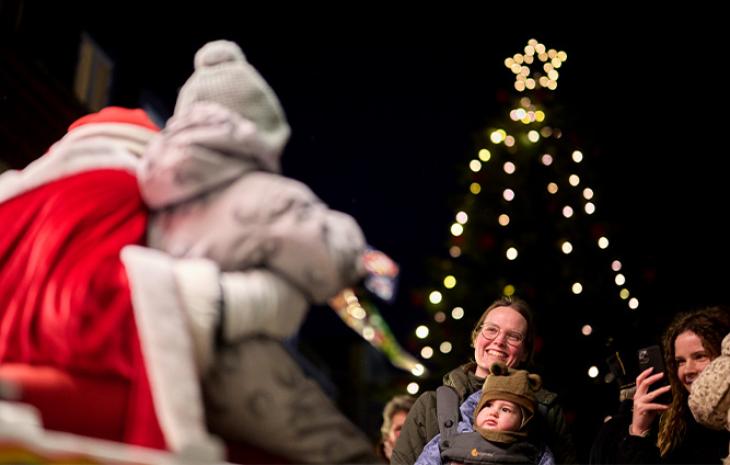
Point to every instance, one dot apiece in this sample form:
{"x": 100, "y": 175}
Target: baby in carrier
{"x": 501, "y": 414}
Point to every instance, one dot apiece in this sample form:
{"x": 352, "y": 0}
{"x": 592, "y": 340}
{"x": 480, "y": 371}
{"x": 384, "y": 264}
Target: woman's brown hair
{"x": 710, "y": 324}
{"x": 521, "y": 307}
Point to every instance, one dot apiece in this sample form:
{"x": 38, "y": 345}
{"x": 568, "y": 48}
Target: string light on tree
{"x": 533, "y": 225}
{"x": 566, "y": 247}
{"x": 457, "y": 313}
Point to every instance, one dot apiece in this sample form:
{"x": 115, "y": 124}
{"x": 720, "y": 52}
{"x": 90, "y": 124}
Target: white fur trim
{"x": 199, "y": 289}
{"x": 89, "y": 147}
{"x": 167, "y": 350}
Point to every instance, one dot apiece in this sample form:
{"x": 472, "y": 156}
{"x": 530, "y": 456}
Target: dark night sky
{"x": 383, "y": 113}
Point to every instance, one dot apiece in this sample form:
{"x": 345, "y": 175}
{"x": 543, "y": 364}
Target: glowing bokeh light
{"x": 445, "y": 347}
{"x": 457, "y": 313}
{"x": 498, "y": 136}
{"x": 356, "y": 311}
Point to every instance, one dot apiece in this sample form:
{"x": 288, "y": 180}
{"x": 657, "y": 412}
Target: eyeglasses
{"x": 492, "y": 331}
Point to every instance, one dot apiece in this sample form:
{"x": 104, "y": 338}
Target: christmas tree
{"x": 527, "y": 222}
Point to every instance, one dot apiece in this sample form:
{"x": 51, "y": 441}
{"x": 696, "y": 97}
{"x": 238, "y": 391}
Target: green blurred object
{"x": 364, "y": 317}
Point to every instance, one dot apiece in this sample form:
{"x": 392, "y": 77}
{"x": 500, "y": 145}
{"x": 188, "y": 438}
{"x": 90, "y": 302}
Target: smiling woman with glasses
{"x": 491, "y": 332}
{"x": 504, "y": 334}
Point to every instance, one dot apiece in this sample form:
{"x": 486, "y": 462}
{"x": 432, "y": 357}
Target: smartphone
{"x": 652, "y": 357}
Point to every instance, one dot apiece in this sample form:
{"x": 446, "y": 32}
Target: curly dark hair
{"x": 710, "y": 324}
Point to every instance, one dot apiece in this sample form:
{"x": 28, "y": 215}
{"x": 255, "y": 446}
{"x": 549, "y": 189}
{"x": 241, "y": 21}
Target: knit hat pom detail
{"x": 218, "y": 53}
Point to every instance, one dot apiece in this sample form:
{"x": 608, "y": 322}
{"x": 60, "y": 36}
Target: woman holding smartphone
{"x": 690, "y": 343}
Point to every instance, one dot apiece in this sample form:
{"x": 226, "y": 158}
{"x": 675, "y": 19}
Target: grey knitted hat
{"x": 222, "y": 75}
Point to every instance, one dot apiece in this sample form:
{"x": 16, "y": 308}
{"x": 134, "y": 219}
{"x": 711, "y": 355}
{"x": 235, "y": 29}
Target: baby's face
{"x": 500, "y": 415}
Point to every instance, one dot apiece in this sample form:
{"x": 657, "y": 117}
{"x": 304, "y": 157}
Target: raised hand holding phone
{"x": 651, "y": 384}
{"x": 651, "y": 357}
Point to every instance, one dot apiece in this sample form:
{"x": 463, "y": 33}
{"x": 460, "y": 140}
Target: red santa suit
{"x": 68, "y": 331}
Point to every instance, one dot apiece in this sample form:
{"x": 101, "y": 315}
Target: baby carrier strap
{"x": 447, "y": 411}
{"x": 470, "y": 448}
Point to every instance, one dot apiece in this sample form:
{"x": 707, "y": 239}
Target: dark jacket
{"x": 700, "y": 445}
{"x": 604, "y": 447}
{"x": 422, "y": 423}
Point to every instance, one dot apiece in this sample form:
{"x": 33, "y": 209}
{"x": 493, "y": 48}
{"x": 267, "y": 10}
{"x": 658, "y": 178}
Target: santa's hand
{"x": 260, "y": 302}
{"x": 233, "y": 305}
